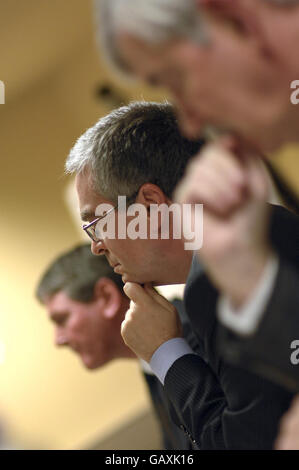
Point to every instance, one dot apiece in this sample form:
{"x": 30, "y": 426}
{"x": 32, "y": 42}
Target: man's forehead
{"x": 89, "y": 199}
{"x": 57, "y": 301}
{"x": 138, "y": 54}
{"x": 84, "y": 182}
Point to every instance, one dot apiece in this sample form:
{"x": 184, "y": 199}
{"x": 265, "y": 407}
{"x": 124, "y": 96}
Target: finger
{"x": 223, "y": 156}
{"x": 135, "y": 292}
{"x": 158, "y": 297}
{"x": 259, "y": 186}
{"x": 123, "y": 329}
{"x": 125, "y": 323}
{"x": 222, "y": 185}
{"x": 215, "y": 199}
{"x": 217, "y": 160}
{"x": 214, "y": 174}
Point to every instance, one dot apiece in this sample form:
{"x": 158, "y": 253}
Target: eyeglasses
{"x": 90, "y": 229}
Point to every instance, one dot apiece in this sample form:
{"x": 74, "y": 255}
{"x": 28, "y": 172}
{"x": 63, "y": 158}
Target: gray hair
{"x": 155, "y": 21}
{"x": 135, "y": 144}
{"x": 76, "y": 273}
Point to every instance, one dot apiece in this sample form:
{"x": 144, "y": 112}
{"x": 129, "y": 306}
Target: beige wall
{"x": 46, "y": 397}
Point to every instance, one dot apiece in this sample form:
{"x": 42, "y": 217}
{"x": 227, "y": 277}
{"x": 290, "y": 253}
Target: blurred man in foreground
{"x": 227, "y": 63}
{"x": 85, "y": 301}
{"x": 257, "y": 274}
{"x": 137, "y": 151}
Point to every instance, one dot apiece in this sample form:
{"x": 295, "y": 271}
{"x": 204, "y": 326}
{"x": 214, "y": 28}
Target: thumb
{"x": 158, "y": 297}
{"x": 135, "y": 292}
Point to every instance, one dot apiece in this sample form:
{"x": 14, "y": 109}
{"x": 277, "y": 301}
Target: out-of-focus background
{"x": 56, "y": 86}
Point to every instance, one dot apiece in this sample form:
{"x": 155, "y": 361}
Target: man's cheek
{"x": 77, "y": 330}
{"x": 114, "y": 248}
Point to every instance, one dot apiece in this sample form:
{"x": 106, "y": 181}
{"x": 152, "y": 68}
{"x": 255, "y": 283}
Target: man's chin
{"x": 91, "y": 364}
{"x": 131, "y": 278}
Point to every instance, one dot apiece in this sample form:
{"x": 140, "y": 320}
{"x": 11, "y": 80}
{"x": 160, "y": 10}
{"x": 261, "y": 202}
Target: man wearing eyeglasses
{"x": 139, "y": 149}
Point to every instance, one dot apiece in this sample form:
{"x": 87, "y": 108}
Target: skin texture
{"x": 91, "y": 330}
{"x": 150, "y": 321}
{"x": 234, "y": 191}
{"x": 240, "y": 82}
{"x": 241, "y": 232}
{"x": 149, "y": 262}
{"x": 140, "y": 261}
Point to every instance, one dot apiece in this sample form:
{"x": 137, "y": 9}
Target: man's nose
{"x": 188, "y": 122}
{"x": 98, "y": 248}
{"x": 60, "y": 338}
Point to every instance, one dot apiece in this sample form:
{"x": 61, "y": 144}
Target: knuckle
{"x": 129, "y": 316}
{"x": 284, "y": 423}
{"x": 127, "y": 289}
{"x": 123, "y": 328}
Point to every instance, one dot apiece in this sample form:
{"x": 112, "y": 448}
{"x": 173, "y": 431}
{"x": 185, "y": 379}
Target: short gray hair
{"x": 155, "y": 21}
{"x": 135, "y": 144}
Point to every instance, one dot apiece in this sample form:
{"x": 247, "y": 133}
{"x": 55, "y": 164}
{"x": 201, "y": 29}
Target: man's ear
{"x": 109, "y": 297}
{"x": 151, "y": 194}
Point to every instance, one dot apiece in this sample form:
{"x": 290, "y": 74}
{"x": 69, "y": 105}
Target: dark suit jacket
{"x": 268, "y": 350}
{"x": 220, "y": 406}
{"x": 173, "y": 437}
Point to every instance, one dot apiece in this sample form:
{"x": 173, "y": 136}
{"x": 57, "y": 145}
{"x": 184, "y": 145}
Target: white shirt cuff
{"x": 167, "y": 354}
{"x": 245, "y": 320}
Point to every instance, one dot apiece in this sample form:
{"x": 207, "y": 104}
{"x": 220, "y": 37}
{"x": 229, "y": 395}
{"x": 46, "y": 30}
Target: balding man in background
{"x": 85, "y": 301}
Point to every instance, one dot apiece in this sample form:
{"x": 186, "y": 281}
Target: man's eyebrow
{"x": 87, "y": 215}
{"x": 54, "y": 316}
